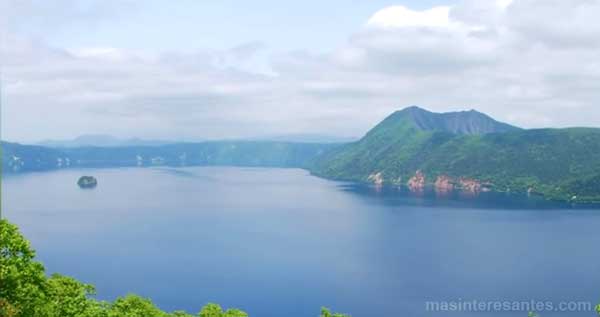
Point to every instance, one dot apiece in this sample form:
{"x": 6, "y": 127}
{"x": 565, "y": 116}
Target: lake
{"x": 280, "y": 242}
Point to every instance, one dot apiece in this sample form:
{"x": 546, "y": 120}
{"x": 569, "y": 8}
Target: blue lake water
{"x": 280, "y": 242}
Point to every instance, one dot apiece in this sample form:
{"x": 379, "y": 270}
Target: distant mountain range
{"x": 414, "y": 148}
{"x": 307, "y": 138}
{"x": 23, "y": 158}
{"x": 103, "y": 140}
{"x": 100, "y": 140}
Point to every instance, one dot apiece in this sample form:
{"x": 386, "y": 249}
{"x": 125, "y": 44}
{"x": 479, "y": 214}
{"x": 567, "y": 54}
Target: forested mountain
{"x": 19, "y": 158}
{"x": 466, "y": 151}
{"x": 470, "y": 151}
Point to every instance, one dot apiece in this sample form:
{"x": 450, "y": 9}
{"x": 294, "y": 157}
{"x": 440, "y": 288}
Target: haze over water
{"x": 280, "y": 242}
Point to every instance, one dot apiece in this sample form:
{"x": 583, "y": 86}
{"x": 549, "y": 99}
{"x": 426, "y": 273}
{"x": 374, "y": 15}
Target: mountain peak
{"x": 413, "y": 109}
{"x": 459, "y": 122}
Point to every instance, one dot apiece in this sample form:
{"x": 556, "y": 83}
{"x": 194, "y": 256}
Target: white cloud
{"x": 400, "y": 16}
{"x": 528, "y": 61}
{"x": 111, "y": 54}
{"x": 559, "y": 24}
{"x": 503, "y": 4}
{"x": 533, "y": 63}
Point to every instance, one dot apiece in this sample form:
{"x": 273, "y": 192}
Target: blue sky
{"x": 198, "y": 24}
{"x": 198, "y": 69}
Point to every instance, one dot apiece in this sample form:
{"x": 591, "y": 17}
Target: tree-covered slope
{"x": 402, "y": 142}
{"x": 19, "y": 157}
{"x": 394, "y": 144}
{"x": 561, "y": 164}
{"x": 460, "y": 150}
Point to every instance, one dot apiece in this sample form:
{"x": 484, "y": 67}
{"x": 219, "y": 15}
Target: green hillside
{"x": 561, "y": 164}
{"x": 464, "y": 150}
{"x": 22, "y": 158}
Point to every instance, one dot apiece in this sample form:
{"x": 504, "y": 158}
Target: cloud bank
{"x": 532, "y": 63}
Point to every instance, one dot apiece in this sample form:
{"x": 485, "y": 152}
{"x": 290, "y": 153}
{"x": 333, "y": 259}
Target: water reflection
{"x": 399, "y": 195}
{"x": 279, "y": 242}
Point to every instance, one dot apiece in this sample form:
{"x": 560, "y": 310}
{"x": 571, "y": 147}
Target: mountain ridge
{"x": 100, "y": 140}
{"x": 457, "y": 122}
{"x": 27, "y": 158}
{"x": 413, "y": 148}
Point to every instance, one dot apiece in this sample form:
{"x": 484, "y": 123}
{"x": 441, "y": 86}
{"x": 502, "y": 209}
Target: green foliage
{"x": 214, "y": 310}
{"x": 7, "y": 309}
{"x": 180, "y": 313}
{"x": 234, "y": 312}
{"x": 134, "y": 306}
{"x": 229, "y": 153}
{"x": 69, "y": 297}
{"x": 560, "y": 164}
{"x": 23, "y": 282}
{"x": 325, "y": 312}
{"x": 211, "y": 310}
{"x": 26, "y": 291}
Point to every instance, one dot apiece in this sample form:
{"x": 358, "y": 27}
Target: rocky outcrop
{"x": 444, "y": 184}
{"x": 376, "y": 178}
{"x": 417, "y": 182}
{"x": 87, "y": 182}
{"x": 473, "y": 186}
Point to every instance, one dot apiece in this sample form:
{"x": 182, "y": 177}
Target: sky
{"x": 199, "y": 69}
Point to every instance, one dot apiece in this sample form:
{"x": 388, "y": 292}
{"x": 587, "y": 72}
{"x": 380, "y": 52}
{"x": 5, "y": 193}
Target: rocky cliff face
{"x": 471, "y": 185}
{"x": 376, "y": 178}
{"x": 417, "y": 182}
{"x": 444, "y": 184}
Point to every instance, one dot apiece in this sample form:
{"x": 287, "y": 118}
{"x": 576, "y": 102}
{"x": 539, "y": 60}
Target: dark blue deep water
{"x": 280, "y": 242}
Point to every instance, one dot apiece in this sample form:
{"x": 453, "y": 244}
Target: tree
{"x": 22, "y": 280}
{"x": 68, "y": 297}
{"x": 325, "y": 312}
{"x": 25, "y": 291}
{"x": 214, "y": 310}
{"x": 134, "y": 306}
{"x": 232, "y": 312}
{"x": 211, "y": 310}
{"x": 6, "y": 309}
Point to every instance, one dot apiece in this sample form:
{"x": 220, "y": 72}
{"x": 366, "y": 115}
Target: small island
{"x": 87, "y": 182}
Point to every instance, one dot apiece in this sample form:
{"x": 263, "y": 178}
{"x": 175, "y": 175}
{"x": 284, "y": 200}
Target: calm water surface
{"x": 279, "y": 242}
